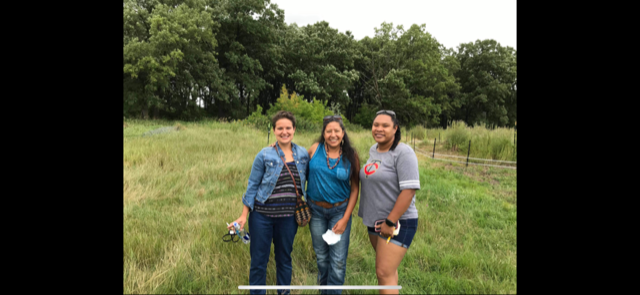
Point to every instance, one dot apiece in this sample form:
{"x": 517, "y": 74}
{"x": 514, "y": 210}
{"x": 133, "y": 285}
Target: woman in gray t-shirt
{"x": 389, "y": 181}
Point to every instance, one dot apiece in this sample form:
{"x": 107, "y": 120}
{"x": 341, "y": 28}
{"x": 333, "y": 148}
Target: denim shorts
{"x": 408, "y": 229}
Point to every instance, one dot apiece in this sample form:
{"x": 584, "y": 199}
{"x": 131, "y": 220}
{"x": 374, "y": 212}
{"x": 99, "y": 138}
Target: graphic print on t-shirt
{"x": 371, "y": 167}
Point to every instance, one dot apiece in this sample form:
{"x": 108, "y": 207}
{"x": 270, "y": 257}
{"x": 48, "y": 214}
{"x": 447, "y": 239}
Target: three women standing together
{"x": 331, "y": 170}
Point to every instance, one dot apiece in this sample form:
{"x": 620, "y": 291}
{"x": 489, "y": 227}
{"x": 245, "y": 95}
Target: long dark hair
{"x": 347, "y": 150}
{"x": 397, "y": 136}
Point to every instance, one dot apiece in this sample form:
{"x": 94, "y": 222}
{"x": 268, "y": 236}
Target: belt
{"x": 327, "y": 205}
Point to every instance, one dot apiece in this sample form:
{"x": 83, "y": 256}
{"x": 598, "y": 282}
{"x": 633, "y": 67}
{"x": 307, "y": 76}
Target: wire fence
{"x": 472, "y": 158}
{"x": 466, "y": 163}
{"x": 411, "y": 140}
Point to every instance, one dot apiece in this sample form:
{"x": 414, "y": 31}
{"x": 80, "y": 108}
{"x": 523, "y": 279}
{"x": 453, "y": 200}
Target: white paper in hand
{"x": 330, "y": 237}
{"x": 397, "y": 230}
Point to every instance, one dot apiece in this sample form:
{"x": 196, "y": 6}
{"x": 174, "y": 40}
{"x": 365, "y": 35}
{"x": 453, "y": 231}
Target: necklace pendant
{"x": 327, "y": 153}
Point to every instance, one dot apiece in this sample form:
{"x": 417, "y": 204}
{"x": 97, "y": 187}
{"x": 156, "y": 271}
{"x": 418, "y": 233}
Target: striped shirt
{"x": 282, "y": 201}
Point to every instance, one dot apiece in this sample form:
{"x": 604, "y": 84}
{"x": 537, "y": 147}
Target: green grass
{"x": 497, "y": 144}
{"x": 179, "y": 189}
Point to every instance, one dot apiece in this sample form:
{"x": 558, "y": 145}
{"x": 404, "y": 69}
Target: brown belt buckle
{"x": 339, "y": 203}
{"x": 318, "y": 203}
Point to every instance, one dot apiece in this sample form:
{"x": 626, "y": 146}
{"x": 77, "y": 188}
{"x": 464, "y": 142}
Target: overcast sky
{"x": 451, "y": 22}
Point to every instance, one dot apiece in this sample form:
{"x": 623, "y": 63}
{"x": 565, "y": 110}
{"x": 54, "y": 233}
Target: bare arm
{"x": 402, "y": 204}
{"x": 340, "y": 226}
{"x": 409, "y": 175}
{"x": 312, "y": 149}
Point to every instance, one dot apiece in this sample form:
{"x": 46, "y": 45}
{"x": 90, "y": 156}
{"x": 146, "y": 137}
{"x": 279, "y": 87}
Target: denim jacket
{"x": 266, "y": 170}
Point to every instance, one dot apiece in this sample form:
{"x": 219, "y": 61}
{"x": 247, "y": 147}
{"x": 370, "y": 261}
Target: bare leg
{"x": 388, "y": 258}
{"x": 374, "y": 241}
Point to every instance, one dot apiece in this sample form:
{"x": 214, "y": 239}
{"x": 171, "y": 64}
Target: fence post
{"x": 515, "y": 126}
{"x": 469, "y": 151}
{"x": 434, "y": 149}
{"x": 268, "y": 132}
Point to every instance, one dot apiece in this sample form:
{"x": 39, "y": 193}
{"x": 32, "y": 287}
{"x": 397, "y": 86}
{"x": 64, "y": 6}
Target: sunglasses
{"x": 230, "y": 238}
{"x": 332, "y": 117}
{"x": 387, "y": 112}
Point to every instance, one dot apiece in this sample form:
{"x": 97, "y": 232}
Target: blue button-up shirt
{"x": 265, "y": 172}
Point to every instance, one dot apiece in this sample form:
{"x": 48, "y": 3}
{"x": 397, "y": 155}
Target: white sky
{"x": 451, "y": 22}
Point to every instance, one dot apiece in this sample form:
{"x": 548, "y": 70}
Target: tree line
{"x": 190, "y": 59}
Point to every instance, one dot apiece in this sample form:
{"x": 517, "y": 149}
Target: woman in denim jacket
{"x": 271, "y": 199}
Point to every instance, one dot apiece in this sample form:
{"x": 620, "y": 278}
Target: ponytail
{"x": 397, "y": 137}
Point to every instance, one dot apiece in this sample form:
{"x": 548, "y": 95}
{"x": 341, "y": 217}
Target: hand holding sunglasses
{"x": 231, "y": 237}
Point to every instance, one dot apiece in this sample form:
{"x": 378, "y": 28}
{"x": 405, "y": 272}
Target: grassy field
{"x": 497, "y": 143}
{"x": 180, "y": 187}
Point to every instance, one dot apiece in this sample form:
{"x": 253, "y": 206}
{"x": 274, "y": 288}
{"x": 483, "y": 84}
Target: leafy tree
{"x": 319, "y": 62}
{"x": 404, "y": 71}
{"x": 488, "y": 83}
{"x": 248, "y": 38}
{"x": 453, "y": 103}
{"x": 168, "y": 56}
{"x": 365, "y": 115}
{"x": 187, "y": 59}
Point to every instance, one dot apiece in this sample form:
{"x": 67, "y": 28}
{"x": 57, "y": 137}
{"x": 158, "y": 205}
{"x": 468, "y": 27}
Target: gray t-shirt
{"x": 382, "y": 179}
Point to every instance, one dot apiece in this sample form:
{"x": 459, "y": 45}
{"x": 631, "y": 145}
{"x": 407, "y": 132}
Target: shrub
{"x": 258, "y": 120}
{"x": 500, "y": 148}
{"x": 354, "y": 127}
{"x": 312, "y": 111}
{"x": 457, "y": 138}
{"x": 365, "y": 115}
{"x": 307, "y": 125}
{"x": 418, "y": 132}
{"x": 308, "y": 115}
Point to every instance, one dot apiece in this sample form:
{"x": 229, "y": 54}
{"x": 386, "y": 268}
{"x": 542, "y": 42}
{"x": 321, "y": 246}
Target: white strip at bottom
{"x": 264, "y": 287}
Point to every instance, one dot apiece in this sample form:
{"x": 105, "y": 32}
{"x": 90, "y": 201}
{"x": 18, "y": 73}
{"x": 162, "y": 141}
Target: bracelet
{"x": 389, "y": 222}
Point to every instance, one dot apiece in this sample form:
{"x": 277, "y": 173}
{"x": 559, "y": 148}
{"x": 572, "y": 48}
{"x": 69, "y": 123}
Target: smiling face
{"x": 383, "y": 130}
{"x": 284, "y": 131}
{"x": 333, "y": 134}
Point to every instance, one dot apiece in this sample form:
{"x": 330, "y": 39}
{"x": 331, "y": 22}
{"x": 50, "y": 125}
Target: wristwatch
{"x": 389, "y": 222}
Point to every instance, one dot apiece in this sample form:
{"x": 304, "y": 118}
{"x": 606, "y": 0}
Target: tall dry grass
{"x": 497, "y": 143}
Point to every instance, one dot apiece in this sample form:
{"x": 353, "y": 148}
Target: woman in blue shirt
{"x": 332, "y": 189}
{"x": 271, "y": 199}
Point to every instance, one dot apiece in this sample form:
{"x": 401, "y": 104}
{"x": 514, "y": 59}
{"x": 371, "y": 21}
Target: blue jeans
{"x": 263, "y": 229}
{"x": 332, "y": 260}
